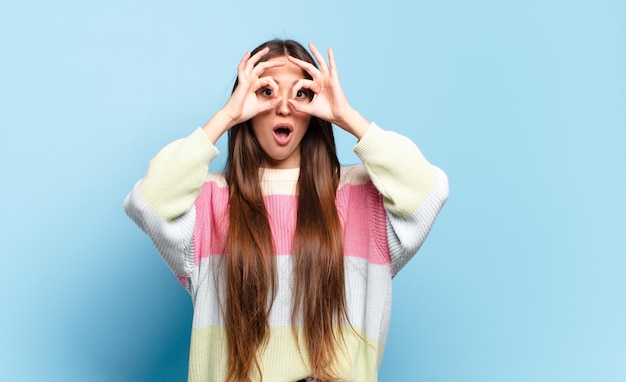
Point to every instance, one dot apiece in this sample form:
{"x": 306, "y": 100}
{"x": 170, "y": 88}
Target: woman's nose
{"x": 283, "y": 107}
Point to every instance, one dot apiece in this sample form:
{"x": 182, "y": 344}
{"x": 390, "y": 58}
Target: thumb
{"x": 300, "y": 107}
{"x": 272, "y": 103}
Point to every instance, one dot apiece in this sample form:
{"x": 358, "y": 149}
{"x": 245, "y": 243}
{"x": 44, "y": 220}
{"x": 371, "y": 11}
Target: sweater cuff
{"x": 370, "y": 142}
{"x": 201, "y": 147}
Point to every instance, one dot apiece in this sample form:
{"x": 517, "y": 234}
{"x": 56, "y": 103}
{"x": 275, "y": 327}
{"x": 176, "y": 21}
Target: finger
{"x": 266, "y": 105}
{"x": 252, "y": 61}
{"x": 242, "y": 63}
{"x": 263, "y": 66}
{"x": 300, "y": 106}
{"x": 267, "y": 82}
{"x": 304, "y": 84}
{"x": 271, "y": 104}
{"x": 307, "y": 66}
{"x": 332, "y": 63}
{"x": 319, "y": 58}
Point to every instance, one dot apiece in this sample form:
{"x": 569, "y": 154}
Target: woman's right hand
{"x": 243, "y": 103}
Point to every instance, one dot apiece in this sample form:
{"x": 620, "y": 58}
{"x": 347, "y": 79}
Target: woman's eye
{"x": 303, "y": 94}
{"x": 267, "y": 92}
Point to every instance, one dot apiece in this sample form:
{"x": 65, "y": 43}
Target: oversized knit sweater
{"x": 386, "y": 208}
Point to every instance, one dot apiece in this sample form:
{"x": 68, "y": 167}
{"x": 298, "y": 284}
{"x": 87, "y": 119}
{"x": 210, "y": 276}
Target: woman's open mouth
{"x": 282, "y": 133}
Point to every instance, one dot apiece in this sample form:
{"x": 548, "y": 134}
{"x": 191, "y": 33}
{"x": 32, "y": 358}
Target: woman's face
{"x": 279, "y": 131}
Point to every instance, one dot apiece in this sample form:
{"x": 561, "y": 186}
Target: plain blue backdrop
{"x": 522, "y": 103}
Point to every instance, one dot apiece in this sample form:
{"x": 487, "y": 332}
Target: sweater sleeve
{"x": 413, "y": 190}
{"x": 175, "y": 176}
{"x": 162, "y": 203}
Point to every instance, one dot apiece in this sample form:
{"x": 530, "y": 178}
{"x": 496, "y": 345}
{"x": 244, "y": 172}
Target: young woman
{"x": 288, "y": 256}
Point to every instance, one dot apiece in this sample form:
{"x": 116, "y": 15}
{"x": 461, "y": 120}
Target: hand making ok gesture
{"x": 329, "y": 102}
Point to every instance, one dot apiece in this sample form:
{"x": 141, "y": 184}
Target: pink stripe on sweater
{"x": 360, "y": 209}
{"x": 364, "y": 220}
{"x": 211, "y": 221}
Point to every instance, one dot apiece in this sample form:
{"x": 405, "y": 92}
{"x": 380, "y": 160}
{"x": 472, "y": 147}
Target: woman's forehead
{"x": 287, "y": 72}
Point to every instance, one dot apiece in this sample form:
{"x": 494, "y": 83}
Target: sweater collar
{"x": 279, "y": 175}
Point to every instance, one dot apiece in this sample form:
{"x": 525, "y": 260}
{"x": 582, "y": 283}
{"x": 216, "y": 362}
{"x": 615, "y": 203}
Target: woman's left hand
{"x": 329, "y": 102}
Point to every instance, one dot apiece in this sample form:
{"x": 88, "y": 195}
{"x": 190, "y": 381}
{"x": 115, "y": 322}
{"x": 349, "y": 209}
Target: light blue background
{"x": 522, "y": 103}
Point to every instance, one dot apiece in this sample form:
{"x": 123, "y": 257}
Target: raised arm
{"x": 176, "y": 174}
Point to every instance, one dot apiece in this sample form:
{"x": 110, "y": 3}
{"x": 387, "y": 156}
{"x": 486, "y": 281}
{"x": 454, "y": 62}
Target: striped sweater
{"x": 386, "y": 208}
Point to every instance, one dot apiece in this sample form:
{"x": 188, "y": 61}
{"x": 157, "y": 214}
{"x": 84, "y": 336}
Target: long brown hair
{"x": 250, "y": 264}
